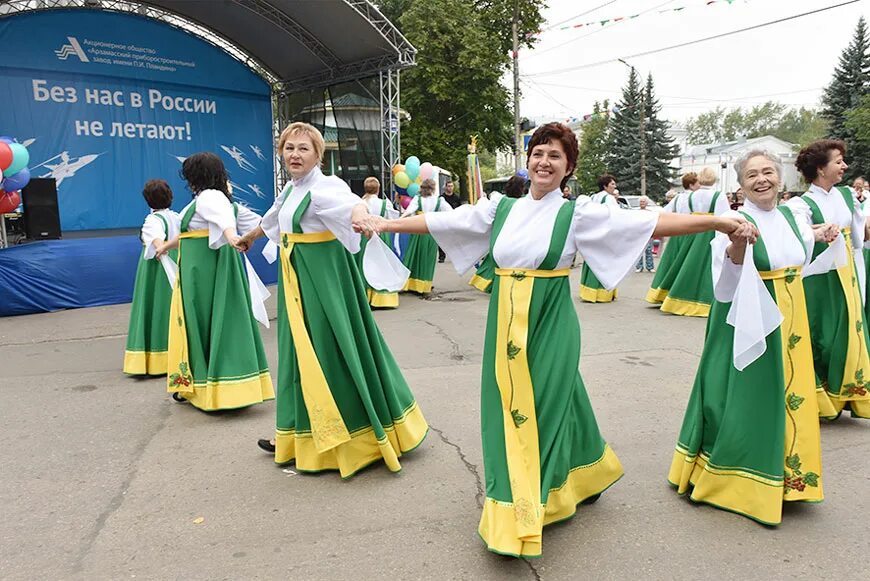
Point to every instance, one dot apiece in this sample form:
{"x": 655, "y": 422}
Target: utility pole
{"x": 518, "y": 142}
{"x": 643, "y": 141}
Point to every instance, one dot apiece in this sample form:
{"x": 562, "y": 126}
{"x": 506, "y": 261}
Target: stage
{"x": 85, "y": 269}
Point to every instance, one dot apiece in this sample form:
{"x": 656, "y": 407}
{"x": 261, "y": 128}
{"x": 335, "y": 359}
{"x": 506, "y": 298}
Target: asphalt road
{"x": 104, "y": 477}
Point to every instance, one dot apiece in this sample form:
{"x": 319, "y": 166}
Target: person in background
{"x": 591, "y": 289}
{"x": 377, "y": 206}
{"x": 147, "y": 334}
{"x": 422, "y": 250}
{"x": 453, "y": 199}
{"x": 860, "y": 187}
{"x": 643, "y": 201}
{"x": 737, "y": 199}
{"x": 568, "y": 194}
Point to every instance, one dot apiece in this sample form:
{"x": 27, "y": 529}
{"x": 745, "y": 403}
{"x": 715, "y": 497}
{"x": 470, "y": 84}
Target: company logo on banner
{"x": 111, "y": 100}
{"x": 73, "y": 48}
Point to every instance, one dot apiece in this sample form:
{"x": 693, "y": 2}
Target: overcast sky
{"x": 789, "y": 62}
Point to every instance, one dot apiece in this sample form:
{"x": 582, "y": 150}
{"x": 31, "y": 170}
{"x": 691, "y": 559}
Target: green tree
{"x": 624, "y": 139}
{"x": 798, "y": 126}
{"x": 850, "y": 84}
{"x": 660, "y": 146}
{"x": 706, "y": 127}
{"x": 455, "y": 89}
{"x": 592, "y": 161}
{"x": 858, "y": 124}
{"x": 801, "y": 126}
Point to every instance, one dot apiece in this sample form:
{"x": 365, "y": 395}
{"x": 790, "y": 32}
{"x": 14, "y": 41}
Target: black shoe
{"x": 592, "y": 499}
{"x": 266, "y": 446}
{"x": 440, "y": 260}
{"x": 178, "y": 397}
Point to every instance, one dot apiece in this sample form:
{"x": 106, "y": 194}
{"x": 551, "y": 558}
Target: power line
{"x": 691, "y": 42}
{"x": 578, "y": 15}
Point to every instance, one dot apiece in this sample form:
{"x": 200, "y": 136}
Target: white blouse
{"x": 153, "y": 229}
{"x": 703, "y": 197}
{"x": 375, "y": 205}
{"x": 429, "y": 204}
{"x": 605, "y": 198}
{"x": 679, "y": 204}
{"x": 215, "y": 212}
{"x": 783, "y": 247}
{"x": 834, "y": 210}
{"x": 331, "y": 207}
{"x": 610, "y": 238}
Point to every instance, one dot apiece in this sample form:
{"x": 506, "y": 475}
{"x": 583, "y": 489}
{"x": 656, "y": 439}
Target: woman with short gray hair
{"x": 750, "y": 438}
{"x": 422, "y": 251}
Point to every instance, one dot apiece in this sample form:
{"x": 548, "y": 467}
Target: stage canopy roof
{"x": 297, "y": 44}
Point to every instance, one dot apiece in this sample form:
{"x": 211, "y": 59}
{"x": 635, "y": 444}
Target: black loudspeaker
{"x": 41, "y": 216}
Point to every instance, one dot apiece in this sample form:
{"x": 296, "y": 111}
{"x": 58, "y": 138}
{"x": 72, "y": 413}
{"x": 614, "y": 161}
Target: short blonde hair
{"x": 427, "y": 188}
{"x": 306, "y": 129}
{"x": 708, "y": 177}
{"x": 371, "y": 185}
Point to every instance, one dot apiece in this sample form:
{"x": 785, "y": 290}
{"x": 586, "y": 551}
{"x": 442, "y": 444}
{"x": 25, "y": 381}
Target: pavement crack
{"x": 472, "y": 468}
{"x": 533, "y": 570}
{"x": 455, "y": 352}
{"x": 65, "y": 340}
{"x": 118, "y": 499}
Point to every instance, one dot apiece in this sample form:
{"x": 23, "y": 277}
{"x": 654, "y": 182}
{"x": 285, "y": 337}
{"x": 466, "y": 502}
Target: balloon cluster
{"x": 13, "y": 163}
{"x": 409, "y": 176}
{"x": 523, "y": 173}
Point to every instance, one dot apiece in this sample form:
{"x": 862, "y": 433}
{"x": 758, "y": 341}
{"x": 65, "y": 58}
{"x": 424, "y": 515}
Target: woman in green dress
{"x": 543, "y": 453}
{"x": 216, "y": 359}
{"x": 482, "y": 279}
{"x": 148, "y": 332}
{"x": 378, "y": 206}
{"x": 591, "y": 289}
{"x": 342, "y": 400}
{"x": 691, "y": 291}
{"x": 834, "y": 295}
{"x": 750, "y": 438}
{"x": 421, "y": 253}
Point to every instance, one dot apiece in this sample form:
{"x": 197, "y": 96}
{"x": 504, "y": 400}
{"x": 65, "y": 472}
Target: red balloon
{"x": 9, "y": 201}
{"x": 5, "y": 156}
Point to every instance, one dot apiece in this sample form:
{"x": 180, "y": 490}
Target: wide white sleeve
{"x": 671, "y": 206}
{"x": 801, "y": 210}
{"x": 858, "y": 222}
{"x": 610, "y": 201}
{"x": 445, "y": 206}
{"x": 247, "y": 219}
{"x": 413, "y": 206}
{"x": 726, "y": 274}
{"x": 333, "y": 202}
{"x": 808, "y": 237}
{"x": 214, "y": 207}
{"x": 722, "y": 204}
{"x": 152, "y": 230}
{"x": 464, "y": 233}
{"x": 392, "y": 213}
{"x": 611, "y": 239}
{"x": 270, "y": 225}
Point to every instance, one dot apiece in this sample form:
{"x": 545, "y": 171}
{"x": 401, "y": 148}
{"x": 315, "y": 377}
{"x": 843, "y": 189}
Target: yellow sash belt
{"x": 518, "y": 396}
{"x": 702, "y": 213}
{"x": 327, "y": 426}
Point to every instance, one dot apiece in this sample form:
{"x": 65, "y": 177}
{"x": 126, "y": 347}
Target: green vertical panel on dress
{"x": 149, "y": 312}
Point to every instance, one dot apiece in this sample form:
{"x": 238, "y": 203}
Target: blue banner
{"x": 105, "y": 101}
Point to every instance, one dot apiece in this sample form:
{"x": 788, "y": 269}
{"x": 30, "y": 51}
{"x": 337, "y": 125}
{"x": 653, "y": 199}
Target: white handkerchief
{"x": 382, "y": 269}
{"x": 170, "y": 268}
{"x": 753, "y": 314}
{"x": 270, "y": 252}
{"x": 259, "y": 294}
{"x": 832, "y": 258}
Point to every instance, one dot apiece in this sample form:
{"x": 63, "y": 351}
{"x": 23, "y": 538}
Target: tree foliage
{"x": 843, "y": 98}
{"x": 793, "y": 125}
{"x": 592, "y": 161}
{"x": 660, "y": 146}
{"x": 455, "y": 89}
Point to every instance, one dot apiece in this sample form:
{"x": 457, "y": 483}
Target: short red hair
{"x": 556, "y": 132}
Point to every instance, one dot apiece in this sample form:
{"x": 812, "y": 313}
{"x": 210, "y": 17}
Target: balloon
{"x": 16, "y": 181}
{"x": 419, "y": 180}
{"x": 5, "y": 155}
{"x": 426, "y": 170}
{"x": 413, "y": 190}
{"x": 523, "y": 173}
{"x": 20, "y": 159}
{"x": 9, "y": 201}
{"x": 7, "y": 139}
{"x": 397, "y": 168}
{"x": 412, "y": 167}
{"x": 402, "y": 180}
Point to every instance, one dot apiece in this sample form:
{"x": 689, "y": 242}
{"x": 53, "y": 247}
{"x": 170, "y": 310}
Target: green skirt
{"x": 216, "y": 359}
{"x": 669, "y": 265}
{"x": 591, "y": 290}
{"x": 482, "y": 279}
{"x": 867, "y": 283}
{"x": 420, "y": 257}
{"x": 375, "y": 404}
{"x": 840, "y": 341}
{"x": 750, "y": 439}
{"x": 377, "y": 298}
{"x": 574, "y": 461}
{"x": 148, "y": 331}
{"x": 691, "y": 292}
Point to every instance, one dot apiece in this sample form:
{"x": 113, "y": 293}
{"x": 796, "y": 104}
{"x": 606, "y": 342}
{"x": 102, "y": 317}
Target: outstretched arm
{"x": 411, "y": 225}
{"x": 680, "y": 224}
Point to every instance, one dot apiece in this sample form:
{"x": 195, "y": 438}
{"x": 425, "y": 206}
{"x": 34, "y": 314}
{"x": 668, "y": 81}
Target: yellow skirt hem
{"x": 214, "y": 396}
{"x": 597, "y": 295}
{"x": 656, "y": 295}
{"x": 383, "y": 300}
{"x": 480, "y": 283}
{"x": 145, "y": 362}
{"x": 418, "y": 286}
{"x": 685, "y": 308}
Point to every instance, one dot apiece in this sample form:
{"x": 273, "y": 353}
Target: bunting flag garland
{"x": 475, "y": 182}
{"x": 618, "y": 19}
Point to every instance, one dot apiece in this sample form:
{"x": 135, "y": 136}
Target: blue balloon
{"x": 412, "y": 167}
{"x": 523, "y": 173}
{"x": 401, "y": 191}
{"x": 16, "y": 181}
{"x": 413, "y": 189}
{"x": 20, "y": 159}
{"x": 7, "y": 139}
